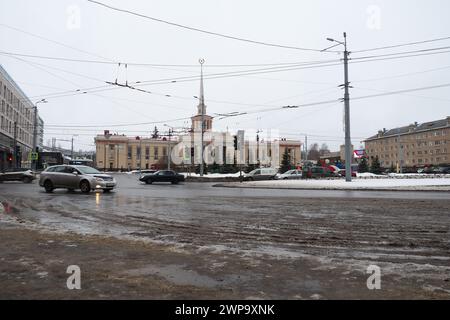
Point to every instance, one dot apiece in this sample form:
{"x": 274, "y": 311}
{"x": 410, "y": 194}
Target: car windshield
{"x": 87, "y": 170}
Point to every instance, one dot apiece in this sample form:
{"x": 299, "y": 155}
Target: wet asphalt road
{"x": 130, "y": 186}
{"x": 407, "y": 233}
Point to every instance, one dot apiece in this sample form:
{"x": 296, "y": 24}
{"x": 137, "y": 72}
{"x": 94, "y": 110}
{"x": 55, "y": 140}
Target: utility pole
{"x": 169, "y": 150}
{"x": 140, "y": 155}
{"x": 71, "y": 150}
{"x": 33, "y": 162}
{"x": 35, "y": 123}
{"x": 202, "y": 107}
{"x": 399, "y": 153}
{"x": 306, "y": 148}
{"x": 348, "y": 142}
{"x": 117, "y": 157}
{"x": 15, "y": 145}
{"x": 257, "y": 147}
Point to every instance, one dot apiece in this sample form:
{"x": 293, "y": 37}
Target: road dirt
{"x": 230, "y": 248}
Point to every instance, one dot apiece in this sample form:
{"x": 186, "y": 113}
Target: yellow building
{"x": 412, "y": 146}
{"x": 119, "y": 152}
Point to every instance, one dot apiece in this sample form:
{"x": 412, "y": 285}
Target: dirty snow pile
{"x": 357, "y": 184}
{"x": 213, "y": 175}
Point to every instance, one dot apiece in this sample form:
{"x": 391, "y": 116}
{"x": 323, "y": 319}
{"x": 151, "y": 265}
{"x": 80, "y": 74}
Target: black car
{"x": 442, "y": 170}
{"x": 18, "y": 174}
{"x": 162, "y": 176}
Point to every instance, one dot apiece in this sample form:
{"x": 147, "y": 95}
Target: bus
{"x": 82, "y": 162}
{"x": 47, "y": 159}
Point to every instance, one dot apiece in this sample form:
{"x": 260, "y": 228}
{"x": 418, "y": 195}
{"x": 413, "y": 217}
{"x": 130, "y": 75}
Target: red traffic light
{"x": 10, "y": 157}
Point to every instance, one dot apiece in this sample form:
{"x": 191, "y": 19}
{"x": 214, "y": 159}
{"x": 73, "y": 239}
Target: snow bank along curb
{"x": 411, "y": 184}
{"x": 368, "y": 175}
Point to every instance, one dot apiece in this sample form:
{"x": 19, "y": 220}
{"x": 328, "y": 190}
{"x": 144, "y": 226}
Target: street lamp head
{"x": 331, "y": 39}
{"x": 41, "y": 101}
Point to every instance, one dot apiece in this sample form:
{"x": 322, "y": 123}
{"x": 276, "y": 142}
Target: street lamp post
{"x": 202, "y": 107}
{"x": 71, "y": 148}
{"x": 348, "y": 143}
{"x": 33, "y": 163}
{"x": 169, "y": 149}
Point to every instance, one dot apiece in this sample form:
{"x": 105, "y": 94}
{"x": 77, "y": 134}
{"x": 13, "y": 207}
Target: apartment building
{"x": 16, "y": 123}
{"x": 415, "y": 145}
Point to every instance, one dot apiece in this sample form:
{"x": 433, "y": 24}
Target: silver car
{"x": 76, "y": 177}
{"x": 291, "y": 174}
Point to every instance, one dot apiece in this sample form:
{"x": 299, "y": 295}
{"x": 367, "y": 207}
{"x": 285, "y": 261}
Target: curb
{"x": 442, "y": 188}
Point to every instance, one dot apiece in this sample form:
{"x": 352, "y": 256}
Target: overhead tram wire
{"x": 404, "y": 52}
{"x": 402, "y": 75}
{"x": 402, "y": 45}
{"x": 231, "y": 74}
{"x": 56, "y": 42}
{"x": 41, "y": 67}
{"x": 236, "y": 73}
{"x": 152, "y": 64}
{"x": 205, "y": 31}
{"x": 182, "y": 79}
{"x": 267, "y": 110}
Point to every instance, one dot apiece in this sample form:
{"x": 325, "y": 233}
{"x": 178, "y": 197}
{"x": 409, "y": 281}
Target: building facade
{"x": 415, "y": 145}
{"x": 119, "y": 152}
{"x": 16, "y": 123}
{"x": 122, "y": 153}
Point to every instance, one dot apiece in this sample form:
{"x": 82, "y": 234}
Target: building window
{"x": 155, "y": 154}
{"x": 129, "y": 152}
{"x": 147, "y": 153}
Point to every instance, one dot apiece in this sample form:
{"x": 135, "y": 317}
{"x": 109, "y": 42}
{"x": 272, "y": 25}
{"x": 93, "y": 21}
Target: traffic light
{"x": 235, "y": 142}
{"x": 9, "y": 157}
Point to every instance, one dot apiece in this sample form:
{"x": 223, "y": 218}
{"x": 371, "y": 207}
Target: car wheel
{"x": 48, "y": 186}
{"x": 27, "y": 180}
{"x": 85, "y": 186}
{"x": 106, "y": 190}
{"x": 285, "y": 178}
{"x": 148, "y": 181}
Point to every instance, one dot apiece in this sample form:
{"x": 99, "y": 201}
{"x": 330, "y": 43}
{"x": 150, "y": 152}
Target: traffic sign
{"x": 33, "y": 156}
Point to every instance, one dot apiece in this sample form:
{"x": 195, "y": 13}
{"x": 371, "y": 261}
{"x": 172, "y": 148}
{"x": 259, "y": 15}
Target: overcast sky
{"x": 116, "y": 36}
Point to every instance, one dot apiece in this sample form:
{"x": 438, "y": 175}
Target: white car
{"x": 290, "y": 174}
{"x": 261, "y": 174}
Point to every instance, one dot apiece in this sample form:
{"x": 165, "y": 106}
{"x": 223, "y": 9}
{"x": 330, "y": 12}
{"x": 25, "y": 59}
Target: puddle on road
{"x": 176, "y": 274}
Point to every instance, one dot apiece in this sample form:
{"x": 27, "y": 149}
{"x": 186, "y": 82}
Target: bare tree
{"x": 313, "y": 153}
{"x": 324, "y": 149}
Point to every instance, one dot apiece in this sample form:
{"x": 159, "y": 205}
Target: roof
{"x": 412, "y": 128}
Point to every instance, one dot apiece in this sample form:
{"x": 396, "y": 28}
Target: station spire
{"x": 201, "y": 109}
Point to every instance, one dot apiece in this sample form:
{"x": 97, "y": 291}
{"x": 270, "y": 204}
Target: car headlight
{"x": 98, "y": 179}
